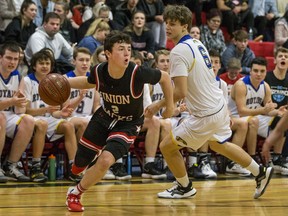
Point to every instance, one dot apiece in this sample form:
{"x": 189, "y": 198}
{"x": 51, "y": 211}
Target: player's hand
{"x": 51, "y": 109}
{"x": 269, "y": 106}
{"x": 151, "y": 110}
{"x": 282, "y": 110}
{"x": 19, "y": 99}
{"x": 83, "y": 92}
{"x": 66, "y": 111}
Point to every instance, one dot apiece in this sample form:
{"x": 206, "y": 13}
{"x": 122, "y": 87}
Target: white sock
{"x": 253, "y": 168}
{"x": 149, "y": 159}
{"x": 120, "y": 160}
{"x": 192, "y": 160}
{"x": 184, "y": 181}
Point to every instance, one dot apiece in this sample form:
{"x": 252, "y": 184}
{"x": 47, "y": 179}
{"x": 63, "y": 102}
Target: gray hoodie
{"x": 40, "y": 39}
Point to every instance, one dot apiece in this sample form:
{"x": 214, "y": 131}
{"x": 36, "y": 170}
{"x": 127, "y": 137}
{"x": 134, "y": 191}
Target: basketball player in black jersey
{"x": 115, "y": 125}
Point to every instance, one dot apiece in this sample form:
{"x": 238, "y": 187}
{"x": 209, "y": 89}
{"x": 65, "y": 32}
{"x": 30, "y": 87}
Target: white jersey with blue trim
{"x": 254, "y": 97}
{"x": 32, "y": 93}
{"x": 85, "y": 107}
{"x": 190, "y": 58}
{"x": 8, "y": 87}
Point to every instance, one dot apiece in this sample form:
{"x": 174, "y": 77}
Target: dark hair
{"x": 25, "y": 5}
{"x": 214, "y": 53}
{"x": 51, "y": 15}
{"x": 136, "y": 55}
{"x": 11, "y": 46}
{"x": 213, "y": 13}
{"x": 259, "y": 61}
{"x": 41, "y": 55}
{"x": 116, "y": 37}
{"x": 180, "y": 13}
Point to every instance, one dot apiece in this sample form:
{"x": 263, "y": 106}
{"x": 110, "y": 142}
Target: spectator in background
{"x": 9, "y": 9}
{"x": 232, "y": 74}
{"x": 66, "y": 28}
{"x": 22, "y": 26}
{"x": 100, "y": 10}
{"x": 265, "y": 14}
{"x": 195, "y": 32}
{"x": 153, "y": 10}
{"x": 142, "y": 37}
{"x": 236, "y": 14}
{"x": 240, "y": 50}
{"x": 93, "y": 8}
{"x": 98, "y": 56}
{"x": 123, "y": 13}
{"x": 43, "y": 7}
{"x": 281, "y": 31}
{"x": 211, "y": 34}
{"x": 96, "y": 35}
{"x": 48, "y": 36}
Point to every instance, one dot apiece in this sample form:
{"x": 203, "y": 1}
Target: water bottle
{"x": 250, "y": 34}
{"x": 129, "y": 164}
{"x": 52, "y": 168}
{"x": 60, "y": 166}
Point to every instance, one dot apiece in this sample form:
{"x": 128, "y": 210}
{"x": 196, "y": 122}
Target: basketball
{"x": 54, "y": 89}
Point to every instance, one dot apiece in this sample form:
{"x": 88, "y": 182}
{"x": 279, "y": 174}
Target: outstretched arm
{"x": 274, "y": 136}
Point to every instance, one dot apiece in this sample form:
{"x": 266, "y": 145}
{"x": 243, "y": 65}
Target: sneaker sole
{"x": 256, "y": 196}
{"x": 177, "y": 196}
{"x": 124, "y": 177}
{"x": 157, "y": 177}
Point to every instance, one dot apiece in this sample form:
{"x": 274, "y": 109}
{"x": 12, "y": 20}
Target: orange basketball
{"x": 54, "y": 89}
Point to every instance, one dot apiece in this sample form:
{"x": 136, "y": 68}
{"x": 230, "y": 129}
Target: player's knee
{"x": 253, "y": 123}
{"x": 84, "y": 156}
{"x": 27, "y": 123}
{"x": 118, "y": 150}
{"x": 41, "y": 125}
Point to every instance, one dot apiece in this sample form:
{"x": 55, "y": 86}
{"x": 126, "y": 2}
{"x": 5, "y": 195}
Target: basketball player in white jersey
{"x": 85, "y": 101}
{"x": 194, "y": 80}
{"x": 18, "y": 126}
{"x": 251, "y": 97}
{"x": 51, "y": 120}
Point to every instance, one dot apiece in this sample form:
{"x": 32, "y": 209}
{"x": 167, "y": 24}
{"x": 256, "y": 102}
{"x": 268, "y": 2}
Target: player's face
{"x": 52, "y": 26}
{"x": 9, "y": 61}
{"x": 216, "y": 64}
{"x": 163, "y": 63}
{"x": 82, "y": 62}
{"x": 258, "y": 73}
{"x": 42, "y": 67}
{"x": 281, "y": 61}
{"x": 120, "y": 55}
{"x": 174, "y": 30}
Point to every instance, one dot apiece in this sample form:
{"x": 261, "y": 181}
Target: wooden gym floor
{"x": 228, "y": 195}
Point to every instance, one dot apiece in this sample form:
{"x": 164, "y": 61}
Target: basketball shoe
{"x": 13, "y": 174}
{"x": 152, "y": 172}
{"x": 36, "y": 173}
{"x": 73, "y": 201}
{"x": 109, "y": 175}
{"x": 3, "y": 178}
{"x": 262, "y": 180}
{"x": 178, "y": 191}
{"x": 119, "y": 170}
{"x": 235, "y": 168}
